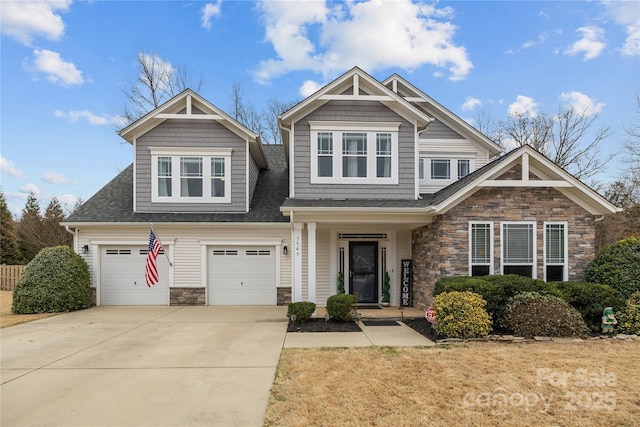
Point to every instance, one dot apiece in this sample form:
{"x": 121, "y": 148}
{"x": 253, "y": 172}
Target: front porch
{"x": 381, "y": 313}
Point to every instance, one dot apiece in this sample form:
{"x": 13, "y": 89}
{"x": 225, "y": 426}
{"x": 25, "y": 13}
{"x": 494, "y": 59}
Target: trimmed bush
{"x": 340, "y": 307}
{"x": 56, "y": 280}
{"x": 629, "y": 317}
{"x": 496, "y": 290}
{"x": 301, "y": 310}
{"x": 461, "y": 315}
{"x": 617, "y": 265}
{"x": 590, "y": 299}
{"x": 532, "y": 314}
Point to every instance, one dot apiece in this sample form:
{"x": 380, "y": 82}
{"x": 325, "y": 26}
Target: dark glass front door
{"x": 363, "y": 271}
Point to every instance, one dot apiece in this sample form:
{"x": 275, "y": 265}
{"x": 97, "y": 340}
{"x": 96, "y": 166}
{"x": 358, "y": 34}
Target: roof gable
{"x": 524, "y": 167}
{"x": 424, "y": 102}
{"x": 355, "y": 84}
{"x": 188, "y": 105}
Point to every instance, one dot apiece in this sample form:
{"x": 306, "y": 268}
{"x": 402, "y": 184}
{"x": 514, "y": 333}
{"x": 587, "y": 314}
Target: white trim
{"x": 135, "y": 174}
{"x": 247, "y": 179}
{"x": 292, "y": 161}
{"x": 337, "y": 130}
{"x": 523, "y": 183}
{"x": 565, "y": 271}
{"x": 491, "y": 249}
{"x": 188, "y": 116}
{"x": 254, "y": 241}
{"x": 296, "y": 242}
{"x": 311, "y": 261}
{"x": 534, "y": 272}
{"x": 206, "y": 154}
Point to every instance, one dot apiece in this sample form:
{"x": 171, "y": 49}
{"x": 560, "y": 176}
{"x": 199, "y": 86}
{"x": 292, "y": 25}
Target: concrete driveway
{"x": 142, "y": 366}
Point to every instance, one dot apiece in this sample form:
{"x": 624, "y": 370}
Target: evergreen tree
{"x": 30, "y": 229}
{"x": 53, "y": 234}
{"x": 9, "y": 251}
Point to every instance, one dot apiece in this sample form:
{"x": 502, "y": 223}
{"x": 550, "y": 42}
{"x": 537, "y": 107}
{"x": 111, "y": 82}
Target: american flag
{"x": 151, "y": 273}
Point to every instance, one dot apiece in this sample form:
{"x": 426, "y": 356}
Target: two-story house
{"x": 373, "y": 178}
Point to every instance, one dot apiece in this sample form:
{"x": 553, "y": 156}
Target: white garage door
{"x": 242, "y": 275}
{"x": 122, "y": 277}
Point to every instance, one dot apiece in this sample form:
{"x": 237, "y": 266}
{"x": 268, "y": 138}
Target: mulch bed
{"x": 322, "y": 325}
{"x": 422, "y": 326}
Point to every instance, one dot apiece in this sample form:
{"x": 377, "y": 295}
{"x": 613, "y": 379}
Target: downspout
{"x": 598, "y": 219}
{"x": 75, "y": 237}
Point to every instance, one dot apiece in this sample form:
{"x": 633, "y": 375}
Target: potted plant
{"x": 386, "y": 286}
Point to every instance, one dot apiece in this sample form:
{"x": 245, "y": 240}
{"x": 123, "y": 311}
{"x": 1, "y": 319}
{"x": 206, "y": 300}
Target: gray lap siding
{"x": 356, "y": 111}
{"x": 190, "y": 134}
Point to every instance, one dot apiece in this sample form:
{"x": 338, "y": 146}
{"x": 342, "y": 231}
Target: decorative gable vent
{"x": 362, "y": 236}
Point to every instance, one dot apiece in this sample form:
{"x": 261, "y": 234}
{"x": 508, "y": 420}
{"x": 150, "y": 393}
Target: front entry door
{"x": 363, "y": 271}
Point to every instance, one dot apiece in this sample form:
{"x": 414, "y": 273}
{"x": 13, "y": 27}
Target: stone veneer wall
{"x": 284, "y": 296}
{"x": 187, "y": 296}
{"x": 441, "y": 249}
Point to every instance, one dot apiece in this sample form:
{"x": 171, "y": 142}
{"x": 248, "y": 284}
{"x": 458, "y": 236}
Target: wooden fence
{"x": 9, "y": 275}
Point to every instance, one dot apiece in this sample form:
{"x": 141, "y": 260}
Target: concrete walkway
{"x": 156, "y": 366}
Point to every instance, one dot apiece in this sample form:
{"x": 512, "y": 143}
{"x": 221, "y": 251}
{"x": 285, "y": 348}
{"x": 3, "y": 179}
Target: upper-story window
{"x": 366, "y": 153}
{"x": 438, "y": 170}
{"x": 190, "y": 176}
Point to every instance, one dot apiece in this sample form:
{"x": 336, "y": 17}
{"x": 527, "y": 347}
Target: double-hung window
{"x": 519, "y": 248}
{"x": 555, "y": 251}
{"x": 438, "y": 170}
{"x": 354, "y": 153}
{"x": 190, "y": 175}
{"x": 481, "y": 248}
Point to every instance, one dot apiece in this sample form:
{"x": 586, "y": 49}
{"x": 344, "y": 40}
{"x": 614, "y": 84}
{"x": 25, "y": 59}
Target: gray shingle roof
{"x": 114, "y": 202}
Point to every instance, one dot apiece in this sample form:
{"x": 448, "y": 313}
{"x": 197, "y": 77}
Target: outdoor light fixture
{"x": 285, "y": 250}
{"x": 85, "y": 249}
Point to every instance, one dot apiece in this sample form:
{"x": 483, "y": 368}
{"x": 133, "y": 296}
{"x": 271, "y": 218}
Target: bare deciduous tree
{"x": 274, "y": 108}
{"x": 156, "y": 81}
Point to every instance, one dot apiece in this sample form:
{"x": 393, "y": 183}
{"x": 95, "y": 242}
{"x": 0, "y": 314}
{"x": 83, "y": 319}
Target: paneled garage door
{"x": 122, "y": 277}
{"x": 242, "y": 275}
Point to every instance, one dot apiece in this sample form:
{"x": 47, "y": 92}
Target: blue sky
{"x": 64, "y": 67}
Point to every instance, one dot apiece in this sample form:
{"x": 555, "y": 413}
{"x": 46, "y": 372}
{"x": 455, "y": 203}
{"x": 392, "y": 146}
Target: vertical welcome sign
{"x": 405, "y": 289}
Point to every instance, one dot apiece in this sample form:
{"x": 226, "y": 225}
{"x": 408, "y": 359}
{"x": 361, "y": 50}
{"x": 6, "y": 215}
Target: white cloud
{"x": 591, "y": 43}
{"x": 67, "y": 199}
{"x": 371, "y": 34}
{"x": 581, "y": 103}
{"x": 7, "y": 167}
{"x": 57, "y": 70}
{"x": 627, "y": 15}
{"x": 210, "y": 10}
{"x": 23, "y": 20}
{"x": 57, "y": 178}
{"x": 541, "y": 39}
{"x": 524, "y": 106}
{"x": 30, "y": 188}
{"x": 309, "y": 87}
{"x": 470, "y": 103}
{"x": 74, "y": 116}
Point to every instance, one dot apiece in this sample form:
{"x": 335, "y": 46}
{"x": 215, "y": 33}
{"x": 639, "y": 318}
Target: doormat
{"x": 380, "y": 323}
{"x": 369, "y": 307}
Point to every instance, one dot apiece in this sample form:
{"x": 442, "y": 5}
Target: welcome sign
{"x": 405, "y": 289}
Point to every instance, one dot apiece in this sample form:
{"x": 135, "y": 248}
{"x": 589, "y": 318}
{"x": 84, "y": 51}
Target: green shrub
{"x": 590, "y": 299}
{"x": 56, "y": 280}
{"x": 341, "y": 306}
{"x": 617, "y": 265}
{"x": 531, "y": 314}
{"x": 461, "y": 315}
{"x": 495, "y": 290}
{"x": 629, "y": 317}
{"x": 301, "y": 310}
{"x": 341, "y": 283}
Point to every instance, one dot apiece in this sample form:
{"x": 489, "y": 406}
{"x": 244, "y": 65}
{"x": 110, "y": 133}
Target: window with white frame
{"x": 443, "y": 170}
{"x": 480, "y": 248}
{"x": 519, "y": 248}
{"x": 367, "y": 152}
{"x": 190, "y": 176}
{"x": 555, "y": 251}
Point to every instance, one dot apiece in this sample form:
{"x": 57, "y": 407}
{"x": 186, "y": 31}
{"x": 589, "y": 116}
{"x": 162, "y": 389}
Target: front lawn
{"x": 7, "y": 318}
{"x": 590, "y": 383}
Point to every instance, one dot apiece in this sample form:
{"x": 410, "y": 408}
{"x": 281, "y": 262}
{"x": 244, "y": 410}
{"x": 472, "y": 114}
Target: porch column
{"x": 311, "y": 261}
{"x": 296, "y": 238}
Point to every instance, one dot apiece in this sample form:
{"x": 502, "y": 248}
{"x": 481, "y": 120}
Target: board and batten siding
{"x": 354, "y": 111}
{"x": 190, "y": 134}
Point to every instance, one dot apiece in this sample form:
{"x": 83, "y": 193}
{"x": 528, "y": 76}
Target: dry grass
{"x": 9, "y": 319}
{"x": 476, "y": 384}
